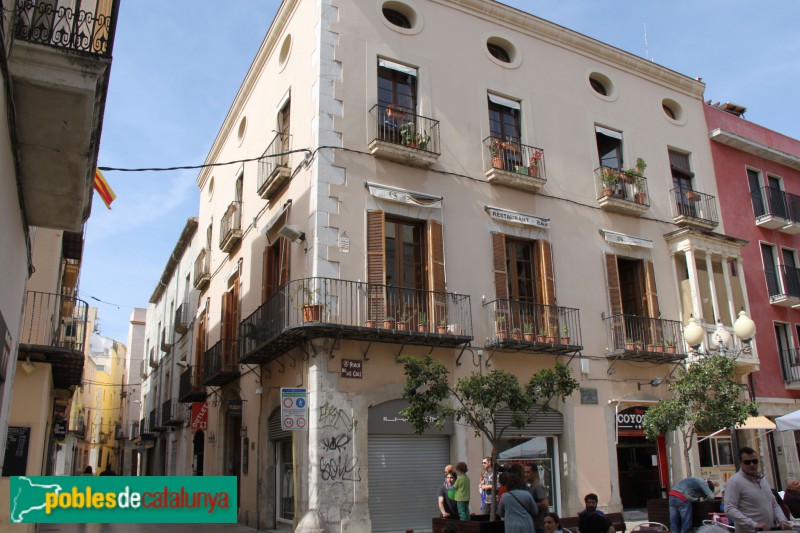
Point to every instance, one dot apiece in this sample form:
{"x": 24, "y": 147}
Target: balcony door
{"x": 504, "y": 125}
{"x": 609, "y": 147}
{"x": 405, "y": 269}
{"x": 789, "y": 362}
{"x": 682, "y": 183}
{"x": 754, "y": 181}
{"x": 770, "y": 270}
{"x": 791, "y": 275}
{"x": 397, "y": 86}
{"x": 634, "y": 299}
{"x": 230, "y": 325}
{"x": 777, "y": 198}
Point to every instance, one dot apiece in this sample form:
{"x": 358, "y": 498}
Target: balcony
{"x": 191, "y": 388}
{"x": 694, "y": 209}
{"x": 790, "y": 365}
{"x": 273, "y": 169}
{"x": 103, "y": 438}
{"x": 641, "y": 338}
{"x": 155, "y": 420}
{"x": 59, "y": 65}
{"x": 721, "y": 339}
{"x": 146, "y": 431}
{"x": 783, "y": 285}
{"x": 172, "y": 413}
{"x": 220, "y": 363}
{"x": 153, "y": 360}
{"x": 401, "y": 136}
{"x": 202, "y": 269}
{"x": 621, "y": 192}
{"x": 323, "y": 307}
{"x": 134, "y": 434}
{"x": 776, "y": 209}
{"x": 79, "y": 429}
{"x": 230, "y": 227}
{"x": 533, "y": 328}
{"x": 183, "y": 317}
{"x": 54, "y": 332}
{"x": 167, "y": 339}
{"x": 515, "y": 165}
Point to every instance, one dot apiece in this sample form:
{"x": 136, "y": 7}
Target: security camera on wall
{"x": 293, "y": 233}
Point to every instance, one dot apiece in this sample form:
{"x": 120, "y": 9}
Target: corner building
{"x": 446, "y": 178}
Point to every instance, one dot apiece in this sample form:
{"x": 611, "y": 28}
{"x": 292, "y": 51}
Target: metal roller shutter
{"x": 548, "y": 422}
{"x": 405, "y": 472}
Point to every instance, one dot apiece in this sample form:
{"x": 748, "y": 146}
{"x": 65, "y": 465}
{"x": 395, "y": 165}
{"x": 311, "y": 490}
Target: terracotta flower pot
{"x": 422, "y": 328}
{"x": 312, "y": 313}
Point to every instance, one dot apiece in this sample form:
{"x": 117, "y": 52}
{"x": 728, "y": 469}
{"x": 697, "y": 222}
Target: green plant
{"x": 527, "y": 327}
{"x": 496, "y": 147}
{"x": 500, "y": 320}
{"x": 388, "y": 319}
{"x": 670, "y": 343}
{"x": 629, "y": 340}
{"x": 609, "y": 176}
{"x": 433, "y": 399}
{"x": 423, "y": 139}
{"x": 542, "y": 332}
{"x": 422, "y": 318}
{"x": 565, "y": 329}
{"x": 304, "y": 295}
{"x": 408, "y": 133}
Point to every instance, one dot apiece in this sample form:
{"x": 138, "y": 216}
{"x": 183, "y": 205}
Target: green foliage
{"x": 705, "y": 397}
{"x": 477, "y": 398}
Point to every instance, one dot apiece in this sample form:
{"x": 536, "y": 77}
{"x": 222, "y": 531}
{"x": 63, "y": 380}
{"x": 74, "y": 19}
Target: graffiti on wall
{"x": 338, "y": 465}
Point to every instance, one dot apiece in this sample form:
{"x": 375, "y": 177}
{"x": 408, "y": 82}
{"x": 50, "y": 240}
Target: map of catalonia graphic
{"x": 30, "y": 497}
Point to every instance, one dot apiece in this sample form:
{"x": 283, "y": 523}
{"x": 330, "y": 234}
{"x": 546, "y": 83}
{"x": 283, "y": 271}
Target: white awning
{"x": 620, "y": 238}
{"x": 608, "y": 133}
{"x": 499, "y": 100}
{"x": 411, "y": 71}
{"x": 513, "y": 217}
{"x": 789, "y": 422}
{"x": 404, "y": 196}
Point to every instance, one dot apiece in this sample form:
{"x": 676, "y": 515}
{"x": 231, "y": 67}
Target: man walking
{"x": 748, "y": 497}
{"x": 682, "y": 496}
{"x": 539, "y": 493}
{"x": 487, "y": 475}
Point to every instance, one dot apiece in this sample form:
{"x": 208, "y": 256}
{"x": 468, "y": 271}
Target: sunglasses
{"x": 750, "y": 461}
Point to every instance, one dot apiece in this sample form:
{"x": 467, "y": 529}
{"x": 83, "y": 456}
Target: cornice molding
{"x": 756, "y": 148}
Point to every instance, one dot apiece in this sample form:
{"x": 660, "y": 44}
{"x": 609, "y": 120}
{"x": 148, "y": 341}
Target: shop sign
{"x": 199, "y": 416}
{"x": 352, "y": 369}
{"x": 631, "y": 418}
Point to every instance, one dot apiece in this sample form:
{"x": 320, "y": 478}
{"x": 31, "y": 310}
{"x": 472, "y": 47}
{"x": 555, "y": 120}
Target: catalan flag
{"x": 103, "y": 189}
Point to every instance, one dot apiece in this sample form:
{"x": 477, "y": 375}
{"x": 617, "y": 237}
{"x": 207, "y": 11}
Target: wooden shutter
{"x": 226, "y": 324}
{"x": 651, "y": 295}
{"x": 283, "y": 262}
{"x": 200, "y": 350}
{"x": 267, "y": 285}
{"x": 499, "y": 266}
{"x": 547, "y": 283}
{"x": 614, "y": 291}
{"x": 436, "y": 269}
{"x": 376, "y": 264}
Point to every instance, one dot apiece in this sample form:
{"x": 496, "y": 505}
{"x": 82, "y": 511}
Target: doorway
{"x": 198, "y": 452}
{"x": 233, "y": 445}
{"x": 637, "y": 462}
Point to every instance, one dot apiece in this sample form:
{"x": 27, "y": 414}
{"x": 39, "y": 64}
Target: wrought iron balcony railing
{"x": 172, "y": 413}
{"x": 273, "y": 169}
{"x": 514, "y": 164}
{"x": 167, "y": 339}
{"x": 230, "y": 227}
{"x": 326, "y": 307}
{"x": 694, "y": 208}
{"x": 533, "y": 327}
{"x": 79, "y": 429}
{"x": 775, "y": 208}
{"x": 220, "y": 363}
{"x": 54, "y": 327}
{"x": 79, "y": 25}
{"x": 403, "y": 136}
{"x": 645, "y": 339}
{"x": 623, "y": 191}
{"x": 191, "y": 387}
{"x": 183, "y": 317}
{"x": 202, "y": 269}
{"x": 134, "y": 431}
{"x": 155, "y": 420}
{"x": 790, "y": 365}
{"x": 103, "y": 438}
{"x": 783, "y": 284}
{"x": 146, "y": 427}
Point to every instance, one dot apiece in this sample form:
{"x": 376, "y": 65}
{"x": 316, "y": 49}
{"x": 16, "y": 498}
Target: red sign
{"x": 199, "y": 416}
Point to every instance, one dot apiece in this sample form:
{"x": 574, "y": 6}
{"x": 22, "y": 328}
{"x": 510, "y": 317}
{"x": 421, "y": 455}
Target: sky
{"x": 178, "y": 65}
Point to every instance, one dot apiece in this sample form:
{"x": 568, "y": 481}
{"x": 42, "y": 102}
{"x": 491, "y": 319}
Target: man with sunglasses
{"x": 748, "y": 497}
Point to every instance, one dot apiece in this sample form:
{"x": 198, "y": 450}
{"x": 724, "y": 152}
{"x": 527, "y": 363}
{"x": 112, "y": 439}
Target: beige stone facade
{"x": 447, "y": 173}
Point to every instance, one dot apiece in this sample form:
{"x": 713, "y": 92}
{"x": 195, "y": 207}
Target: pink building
{"x": 758, "y": 178}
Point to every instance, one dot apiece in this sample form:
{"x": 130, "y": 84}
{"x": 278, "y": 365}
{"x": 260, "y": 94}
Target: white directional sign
{"x": 294, "y": 409}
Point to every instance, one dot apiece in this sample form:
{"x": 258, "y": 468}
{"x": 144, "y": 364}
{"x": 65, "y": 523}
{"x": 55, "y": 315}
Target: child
{"x": 462, "y": 491}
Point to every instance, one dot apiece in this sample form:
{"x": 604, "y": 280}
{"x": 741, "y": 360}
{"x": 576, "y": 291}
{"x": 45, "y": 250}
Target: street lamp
{"x": 744, "y": 329}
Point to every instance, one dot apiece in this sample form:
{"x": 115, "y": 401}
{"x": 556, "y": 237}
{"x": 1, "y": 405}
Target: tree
{"x": 705, "y": 397}
{"x": 477, "y": 399}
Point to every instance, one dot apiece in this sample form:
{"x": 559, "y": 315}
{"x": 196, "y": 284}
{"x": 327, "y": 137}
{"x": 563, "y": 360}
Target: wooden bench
{"x": 571, "y": 522}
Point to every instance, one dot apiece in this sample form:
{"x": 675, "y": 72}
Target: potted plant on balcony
{"x": 422, "y": 322}
{"x": 496, "y": 151}
{"x": 670, "y": 345}
{"x": 423, "y": 139}
{"x": 307, "y": 299}
{"x": 533, "y": 163}
{"x": 408, "y": 134}
{"x": 441, "y": 329}
{"x": 630, "y": 344}
{"x": 542, "y": 336}
{"x": 402, "y": 320}
{"x": 692, "y": 196}
{"x": 394, "y": 110}
{"x": 658, "y": 346}
{"x": 552, "y": 334}
{"x": 610, "y": 179}
{"x": 500, "y": 326}
{"x": 388, "y": 322}
{"x": 565, "y": 334}
{"x": 511, "y": 146}
{"x": 527, "y": 331}
{"x": 516, "y": 334}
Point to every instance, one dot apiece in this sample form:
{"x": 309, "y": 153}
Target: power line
{"x": 205, "y": 165}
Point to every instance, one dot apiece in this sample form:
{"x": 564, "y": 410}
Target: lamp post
{"x": 744, "y": 329}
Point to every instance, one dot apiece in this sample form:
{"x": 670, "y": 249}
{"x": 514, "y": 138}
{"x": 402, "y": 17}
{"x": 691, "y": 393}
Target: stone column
{"x": 712, "y": 287}
{"x": 691, "y": 268}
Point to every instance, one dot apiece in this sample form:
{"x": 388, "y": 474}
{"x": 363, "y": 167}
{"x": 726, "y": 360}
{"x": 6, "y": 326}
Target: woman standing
{"x": 517, "y": 507}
